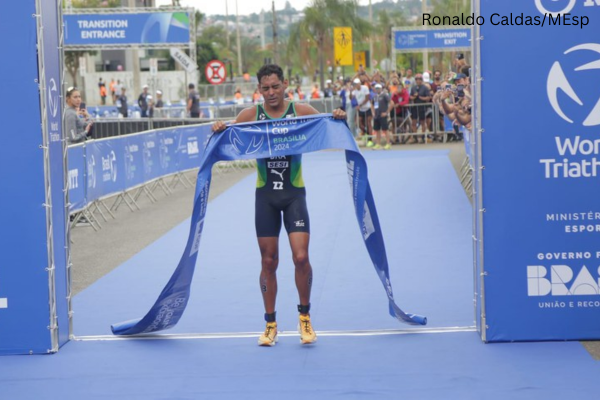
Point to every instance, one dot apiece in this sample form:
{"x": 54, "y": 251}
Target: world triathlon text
{"x": 565, "y": 167}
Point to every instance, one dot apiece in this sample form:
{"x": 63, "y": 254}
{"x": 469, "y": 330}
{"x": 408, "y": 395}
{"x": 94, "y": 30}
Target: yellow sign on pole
{"x": 360, "y": 58}
{"x": 342, "y": 45}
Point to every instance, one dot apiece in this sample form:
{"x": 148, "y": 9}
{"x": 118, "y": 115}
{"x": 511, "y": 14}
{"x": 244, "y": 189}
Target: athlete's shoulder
{"x": 247, "y": 114}
{"x": 304, "y": 109}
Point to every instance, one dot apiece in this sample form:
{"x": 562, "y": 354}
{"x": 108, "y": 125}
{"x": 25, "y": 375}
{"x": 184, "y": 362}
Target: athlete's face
{"x": 273, "y": 90}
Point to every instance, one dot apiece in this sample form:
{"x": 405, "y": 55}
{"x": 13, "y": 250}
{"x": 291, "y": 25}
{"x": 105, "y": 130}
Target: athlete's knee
{"x": 301, "y": 259}
{"x": 269, "y": 263}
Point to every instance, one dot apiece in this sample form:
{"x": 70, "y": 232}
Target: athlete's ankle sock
{"x": 302, "y": 309}
{"x": 270, "y": 317}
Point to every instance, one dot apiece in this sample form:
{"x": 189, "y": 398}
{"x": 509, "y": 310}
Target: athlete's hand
{"x": 219, "y": 126}
{"x": 338, "y": 113}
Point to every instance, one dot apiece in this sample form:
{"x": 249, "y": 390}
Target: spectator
{"x": 112, "y": 88}
{"x": 428, "y": 110}
{"x": 193, "y": 103}
{"x": 329, "y": 90}
{"x": 143, "y": 101}
{"x": 239, "y": 98}
{"x": 118, "y": 87}
{"x": 258, "y": 98}
{"x": 380, "y": 109}
{"x": 102, "y": 88}
{"x": 150, "y": 102}
{"x": 77, "y": 121}
{"x": 362, "y": 74}
{"x": 409, "y": 80}
{"x": 122, "y": 102}
{"x": 159, "y": 101}
{"x": 459, "y": 62}
{"x": 315, "y": 92}
{"x": 399, "y": 112}
{"x": 435, "y": 87}
{"x": 363, "y": 106}
{"x": 299, "y": 92}
{"x": 419, "y": 94}
{"x": 345, "y": 93}
{"x": 456, "y": 105}
{"x": 290, "y": 95}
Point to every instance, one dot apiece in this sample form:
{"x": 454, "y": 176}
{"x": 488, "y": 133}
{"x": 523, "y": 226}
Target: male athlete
{"x": 280, "y": 189}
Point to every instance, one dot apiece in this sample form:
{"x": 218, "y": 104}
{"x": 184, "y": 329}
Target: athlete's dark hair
{"x": 270, "y": 69}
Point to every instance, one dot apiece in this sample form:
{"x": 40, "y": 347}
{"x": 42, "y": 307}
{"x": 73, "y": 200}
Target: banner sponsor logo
{"x": 109, "y": 167}
{"x": 368, "y": 228}
{"x": 192, "y": 147}
{"x": 576, "y": 102}
{"x": 73, "y": 179}
{"x": 562, "y": 280}
{"x": 91, "y": 171}
{"x": 558, "y": 82}
{"x": 250, "y": 144}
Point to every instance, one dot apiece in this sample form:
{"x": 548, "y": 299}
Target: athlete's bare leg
{"x": 299, "y": 244}
{"x": 269, "y": 252}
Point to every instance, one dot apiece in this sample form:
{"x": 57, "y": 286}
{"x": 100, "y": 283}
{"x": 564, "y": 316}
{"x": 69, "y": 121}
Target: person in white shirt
{"x": 363, "y": 103}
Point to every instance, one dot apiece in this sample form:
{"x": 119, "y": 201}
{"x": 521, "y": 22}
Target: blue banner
{"x": 24, "y": 291}
{"x": 434, "y": 39}
{"x": 124, "y": 29}
{"x": 541, "y": 225}
{"x": 257, "y": 140}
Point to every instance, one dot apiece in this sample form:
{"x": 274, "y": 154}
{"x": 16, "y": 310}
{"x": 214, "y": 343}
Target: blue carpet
{"x": 433, "y": 367}
{"x": 425, "y": 218}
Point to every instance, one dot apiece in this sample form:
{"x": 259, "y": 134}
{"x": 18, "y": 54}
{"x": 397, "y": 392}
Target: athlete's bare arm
{"x": 306, "y": 109}
{"x": 246, "y": 115}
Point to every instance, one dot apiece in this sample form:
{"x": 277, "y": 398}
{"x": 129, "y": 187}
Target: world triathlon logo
{"x": 560, "y": 82}
{"x": 249, "y": 143}
{"x": 53, "y": 98}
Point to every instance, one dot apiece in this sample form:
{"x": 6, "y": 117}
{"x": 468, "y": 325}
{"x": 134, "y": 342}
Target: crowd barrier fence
{"x": 127, "y": 167}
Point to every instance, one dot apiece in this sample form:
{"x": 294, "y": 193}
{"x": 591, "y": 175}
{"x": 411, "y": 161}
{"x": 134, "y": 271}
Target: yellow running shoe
{"x": 376, "y": 147}
{"x": 370, "y": 143}
{"x": 307, "y": 334}
{"x": 269, "y": 338}
{"x": 387, "y": 146}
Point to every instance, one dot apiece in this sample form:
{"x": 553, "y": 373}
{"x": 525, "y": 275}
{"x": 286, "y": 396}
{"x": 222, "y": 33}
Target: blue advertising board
{"x": 54, "y": 107}
{"x": 433, "y": 39}
{"x": 541, "y": 225}
{"x": 24, "y": 291}
{"x": 127, "y": 28}
{"x": 133, "y": 159}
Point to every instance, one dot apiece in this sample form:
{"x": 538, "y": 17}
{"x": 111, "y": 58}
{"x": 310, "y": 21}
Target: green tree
{"x": 316, "y": 29}
{"x": 383, "y": 31}
{"x": 205, "y": 53}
